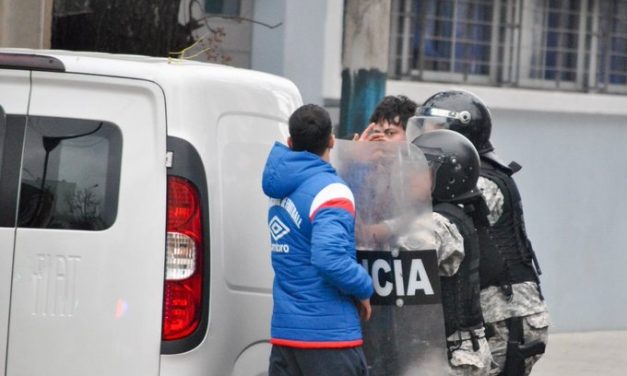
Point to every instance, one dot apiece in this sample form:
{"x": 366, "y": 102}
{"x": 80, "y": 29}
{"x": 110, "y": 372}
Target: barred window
{"x": 223, "y": 7}
{"x": 565, "y": 44}
{"x": 555, "y": 58}
{"x": 612, "y": 50}
{"x": 447, "y": 36}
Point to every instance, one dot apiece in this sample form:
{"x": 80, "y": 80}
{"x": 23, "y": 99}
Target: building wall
{"x": 25, "y": 23}
{"x": 569, "y": 144}
{"x": 268, "y": 45}
{"x": 294, "y": 49}
{"x": 332, "y": 73}
{"x": 572, "y": 184}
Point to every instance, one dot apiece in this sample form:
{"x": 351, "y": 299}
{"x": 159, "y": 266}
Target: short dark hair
{"x": 310, "y": 129}
{"x": 392, "y": 106}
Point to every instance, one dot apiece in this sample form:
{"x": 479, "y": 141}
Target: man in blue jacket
{"x": 319, "y": 288}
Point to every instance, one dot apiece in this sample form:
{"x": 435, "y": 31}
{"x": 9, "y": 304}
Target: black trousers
{"x": 288, "y": 361}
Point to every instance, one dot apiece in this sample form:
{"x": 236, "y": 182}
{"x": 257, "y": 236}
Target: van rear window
{"x": 70, "y": 174}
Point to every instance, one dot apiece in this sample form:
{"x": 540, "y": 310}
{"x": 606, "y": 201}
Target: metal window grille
{"x": 611, "y": 53}
{"x": 564, "y": 44}
{"x": 223, "y": 7}
{"x": 446, "y": 36}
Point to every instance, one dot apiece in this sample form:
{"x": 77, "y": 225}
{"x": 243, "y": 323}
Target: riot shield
{"x": 391, "y": 183}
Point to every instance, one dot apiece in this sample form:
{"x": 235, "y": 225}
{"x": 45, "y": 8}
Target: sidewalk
{"x": 584, "y": 353}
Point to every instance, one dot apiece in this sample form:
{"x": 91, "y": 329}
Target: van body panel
{"x": 245, "y": 142}
{"x": 237, "y": 130}
{"x": 90, "y": 302}
{"x": 13, "y": 99}
{"x": 239, "y": 121}
{"x": 231, "y": 117}
{"x": 247, "y": 364}
{"x": 15, "y": 91}
{"x": 241, "y": 275}
{"x": 7, "y": 236}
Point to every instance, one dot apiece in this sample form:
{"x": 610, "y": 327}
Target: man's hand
{"x": 372, "y": 133}
{"x": 372, "y": 234}
{"x": 365, "y": 310}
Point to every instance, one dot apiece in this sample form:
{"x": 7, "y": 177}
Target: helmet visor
{"x": 435, "y": 159}
{"x": 420, "y": 124}
{"x": 431, "y": 118}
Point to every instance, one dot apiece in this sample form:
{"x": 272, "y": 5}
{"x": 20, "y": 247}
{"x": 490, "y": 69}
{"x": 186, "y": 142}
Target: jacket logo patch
{"x": 277, "y": 228}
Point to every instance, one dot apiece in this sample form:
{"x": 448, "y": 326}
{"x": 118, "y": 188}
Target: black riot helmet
{"x": 459, "y": 111}
{"x": 454, "y": 162}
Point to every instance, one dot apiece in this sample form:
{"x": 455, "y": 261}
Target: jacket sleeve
{"x": 332, "y": 246}
{"x": 449, "y": 245}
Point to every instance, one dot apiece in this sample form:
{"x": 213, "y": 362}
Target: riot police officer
{"x": 514, "y": 310}
{"x": 460, "y": 216}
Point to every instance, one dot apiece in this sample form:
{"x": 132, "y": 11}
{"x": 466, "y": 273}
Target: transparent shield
{"x": 392, "y": 184}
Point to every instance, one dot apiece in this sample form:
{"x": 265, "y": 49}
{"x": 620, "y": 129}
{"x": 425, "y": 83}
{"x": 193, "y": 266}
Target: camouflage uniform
{"x": 445, "y": 239}
{"x": 525, "y": 301}
{"x": 449, "y": 244}
{"x": 467, "y": 362}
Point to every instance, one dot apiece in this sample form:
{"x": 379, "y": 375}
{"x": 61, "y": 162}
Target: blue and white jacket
{"x": 317, "y": 277}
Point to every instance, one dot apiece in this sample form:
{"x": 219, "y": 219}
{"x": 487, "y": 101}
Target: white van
{"x": 133, "y": 236}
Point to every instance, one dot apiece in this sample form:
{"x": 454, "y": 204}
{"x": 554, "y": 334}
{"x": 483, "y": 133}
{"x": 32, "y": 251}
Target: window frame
{"x": 515, "y": 25}
{"x": 236, "y": 14}
{"x": 10, "y": 168}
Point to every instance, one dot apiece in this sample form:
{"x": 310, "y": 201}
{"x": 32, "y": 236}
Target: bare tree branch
{"x": 240, "y": 19}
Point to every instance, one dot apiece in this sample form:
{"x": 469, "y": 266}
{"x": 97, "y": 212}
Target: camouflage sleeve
{"x": 449, "y": 245}
{"x": 493, "y": 198}
{"x": 418, "y": 235}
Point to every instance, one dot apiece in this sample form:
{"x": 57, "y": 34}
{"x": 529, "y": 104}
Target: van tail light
{"x": 182, "y": 296}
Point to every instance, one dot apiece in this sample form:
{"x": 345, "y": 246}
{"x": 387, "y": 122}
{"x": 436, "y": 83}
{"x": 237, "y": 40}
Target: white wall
{"x": 332, "y": 74}
{"x": 268, "y": 44}
{"x": 573, "y": 184}
{"x": 305, "y": 48}
{"x": 305, "y": 22}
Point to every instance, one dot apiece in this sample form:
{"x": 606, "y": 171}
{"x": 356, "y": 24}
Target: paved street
{"x": 587, "y": 353}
